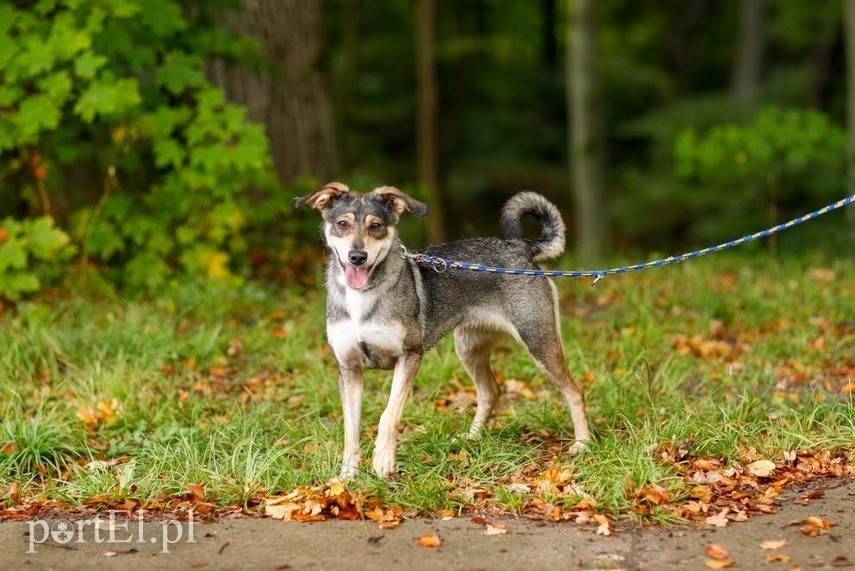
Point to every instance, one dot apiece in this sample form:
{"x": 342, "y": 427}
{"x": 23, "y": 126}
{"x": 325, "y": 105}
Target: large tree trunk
{"x": 586, "y": 133}
{"x": 849, "y": 38}
{"x": 428, "y": 147}
{"x": 745, "y": 84}
{"x": 292, "y": 100}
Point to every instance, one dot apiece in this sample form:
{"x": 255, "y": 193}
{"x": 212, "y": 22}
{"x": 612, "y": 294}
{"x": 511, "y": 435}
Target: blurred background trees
{"x": 142, "y": 142}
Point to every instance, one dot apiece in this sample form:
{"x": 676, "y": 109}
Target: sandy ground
{"x": 269, "y": 544}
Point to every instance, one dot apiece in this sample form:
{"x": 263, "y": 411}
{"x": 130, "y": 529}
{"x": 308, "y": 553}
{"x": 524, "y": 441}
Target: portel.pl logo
{"x": 117, "y": 528}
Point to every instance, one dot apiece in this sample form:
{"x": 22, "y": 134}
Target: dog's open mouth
{"x": 356, "y": 276}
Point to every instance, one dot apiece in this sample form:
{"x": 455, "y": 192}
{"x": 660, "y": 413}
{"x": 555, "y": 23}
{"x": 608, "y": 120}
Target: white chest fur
{"x": 349, "y": 337}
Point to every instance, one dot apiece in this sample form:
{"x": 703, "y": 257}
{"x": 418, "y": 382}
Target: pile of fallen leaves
{"x": 332, "y": 500}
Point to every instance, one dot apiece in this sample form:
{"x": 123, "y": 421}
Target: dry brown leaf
{"x": 777, "y": 558}
{"x": 814, "y": 526}
{"x": 773, "y": 543}
{"x": 719, "y": 563}
{"x": 719, "y": 519}
{"x": 197, "y": 491}
{"x": 14, "y": 490}
{"x": 761, "y": 468}
{"x": 717, "y": 551}
{"x": 604, "y": 527}
{"x": 282, "y": 511}
{"x": 430, "y": 540}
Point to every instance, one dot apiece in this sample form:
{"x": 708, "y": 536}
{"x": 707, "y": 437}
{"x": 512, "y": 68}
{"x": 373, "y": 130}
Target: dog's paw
{"x": 384, "y": 462}
{"x": 579, "y": 447}
{"x": 349, "y": 468}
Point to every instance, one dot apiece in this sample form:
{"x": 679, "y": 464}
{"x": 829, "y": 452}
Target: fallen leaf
{"x": 198, "y": 492}
{"x": 773, "y": 543}
{"x": 281, "y": 511}
{"x": 719, "y": 519}
{"x": 14, "y": 490}
{"x": 430, "y": 540}
{"x": 717, "y": 551}
{"x": 761, "y": 468}
{"x": 777, "y": 558}
{"x": 495, "y": 529}
{"x": 814, "y": 526}
{"x": 718, "y": 563}
{"x": 605, "y": 525}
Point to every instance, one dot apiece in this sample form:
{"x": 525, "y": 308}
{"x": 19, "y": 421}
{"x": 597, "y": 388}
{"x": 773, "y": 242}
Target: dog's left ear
{"x": 324, "y": 197}
{"x": 400, "y": 201}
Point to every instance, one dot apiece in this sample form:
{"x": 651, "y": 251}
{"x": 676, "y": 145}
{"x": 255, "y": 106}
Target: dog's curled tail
{"x": 551, "y": 241}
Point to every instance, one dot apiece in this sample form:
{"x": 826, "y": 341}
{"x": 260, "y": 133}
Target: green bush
{"x": 116, "y": 88}
{"x": 715, "y": 177}
{"x": 26, "y": 246}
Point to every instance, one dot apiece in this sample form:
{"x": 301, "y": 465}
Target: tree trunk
{"x": 586, "y": 133}
{"x": 428, "y": 147}
{"x": 292, "y": 99}
{"x": 849, "y": 39}
{"x": 745, "y": 84}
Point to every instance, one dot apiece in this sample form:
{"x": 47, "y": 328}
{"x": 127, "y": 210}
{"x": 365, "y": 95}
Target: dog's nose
{"x": 357, "y": 257}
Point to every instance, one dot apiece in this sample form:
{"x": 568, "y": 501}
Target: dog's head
{"x": 360, "y": 228}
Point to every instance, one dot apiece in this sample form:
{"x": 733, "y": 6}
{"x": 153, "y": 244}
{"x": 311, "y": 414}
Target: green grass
{"x": 236, "y": 391}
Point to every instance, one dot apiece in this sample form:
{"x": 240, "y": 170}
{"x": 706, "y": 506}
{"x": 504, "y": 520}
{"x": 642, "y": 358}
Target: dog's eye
{"x": 343, "y": 224}
{"x": 375, "y": 226}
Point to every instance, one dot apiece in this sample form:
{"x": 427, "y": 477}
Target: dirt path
{"x": 268, "y": 544}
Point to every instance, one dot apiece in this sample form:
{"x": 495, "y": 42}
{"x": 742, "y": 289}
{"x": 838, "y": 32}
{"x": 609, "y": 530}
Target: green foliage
{"x": 115, "y": 88}
{"x": 718, "y": 171}
{"x": 779, "y": 160}
{"x": 26, "y": 246}
{"x": 781, "y": 144}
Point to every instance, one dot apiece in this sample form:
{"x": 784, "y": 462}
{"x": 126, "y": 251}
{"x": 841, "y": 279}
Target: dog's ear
{"x": 400, "y": 201}
{"x": 324, "y": 197}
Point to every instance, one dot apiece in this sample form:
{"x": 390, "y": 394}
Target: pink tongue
{"x": 356, "y": 277}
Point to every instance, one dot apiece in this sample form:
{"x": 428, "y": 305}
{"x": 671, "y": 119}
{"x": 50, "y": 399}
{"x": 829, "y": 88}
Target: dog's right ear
{"x": 324, "y": 197}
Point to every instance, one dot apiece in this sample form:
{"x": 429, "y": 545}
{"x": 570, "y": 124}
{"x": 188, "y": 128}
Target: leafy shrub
{"x": 782, "y": 158}
{"x": 116, "y": 88}
{"x": 725, "y": 177}
{"x": 25, "y": 247}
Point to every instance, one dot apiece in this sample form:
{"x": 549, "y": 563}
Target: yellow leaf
{"x": 718, "y": 563}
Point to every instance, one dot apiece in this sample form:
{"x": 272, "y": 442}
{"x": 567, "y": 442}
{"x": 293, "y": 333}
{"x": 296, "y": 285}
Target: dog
{"x": 385, "y": 310}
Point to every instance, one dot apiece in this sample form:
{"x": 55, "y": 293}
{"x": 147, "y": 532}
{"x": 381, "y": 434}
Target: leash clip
{"x": 439, "y": 265}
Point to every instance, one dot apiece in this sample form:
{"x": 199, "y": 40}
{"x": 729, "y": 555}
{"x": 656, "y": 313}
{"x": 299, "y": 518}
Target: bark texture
{"x": 292, "y": 98}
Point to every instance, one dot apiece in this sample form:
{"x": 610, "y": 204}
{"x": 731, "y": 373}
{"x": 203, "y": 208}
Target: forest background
{"x": 145, "y": 143}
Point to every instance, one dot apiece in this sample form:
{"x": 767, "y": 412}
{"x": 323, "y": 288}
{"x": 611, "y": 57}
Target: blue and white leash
{"x": 443, "y": 264}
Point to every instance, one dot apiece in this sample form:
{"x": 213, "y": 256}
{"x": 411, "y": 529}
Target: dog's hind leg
{"x": 384, "y": 461}
{"x": 543, "y": 341}
{"x": 350, "y": 391}
{"x": 473, "y": 347}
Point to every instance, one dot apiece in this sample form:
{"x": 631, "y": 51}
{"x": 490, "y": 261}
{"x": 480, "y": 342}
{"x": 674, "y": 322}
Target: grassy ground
{"x": 727, "y": 358}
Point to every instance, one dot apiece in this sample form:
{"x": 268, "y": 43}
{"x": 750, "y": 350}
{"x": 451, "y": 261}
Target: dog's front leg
{"x": 384, "y": 461}
{"x": 350, "y": 391}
